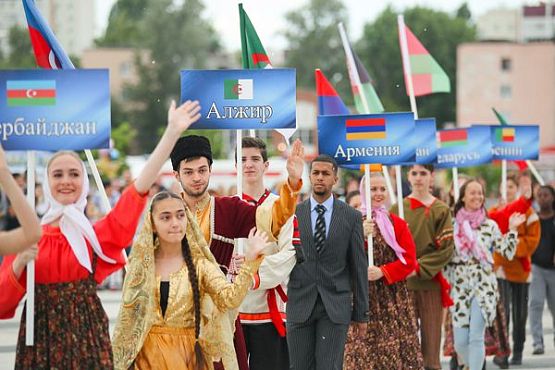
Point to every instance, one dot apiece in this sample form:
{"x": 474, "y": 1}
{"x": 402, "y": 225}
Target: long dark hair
{"x": 193, "y": 279}
{"x": 459, "y": 203}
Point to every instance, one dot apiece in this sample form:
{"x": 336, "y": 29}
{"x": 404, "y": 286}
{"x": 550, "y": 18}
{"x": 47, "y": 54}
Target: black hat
{"x": 189, "y": 147}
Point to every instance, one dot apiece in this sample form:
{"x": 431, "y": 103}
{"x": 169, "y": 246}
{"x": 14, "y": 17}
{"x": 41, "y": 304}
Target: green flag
{"x": 254, "y": 55}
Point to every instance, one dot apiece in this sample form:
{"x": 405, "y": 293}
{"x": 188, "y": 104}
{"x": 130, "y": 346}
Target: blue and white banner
{"x": 54, "y": 109}
{"x": 425, "y": 141}
{"x": 368, "y": 138}
{"x": 464, "y": 147}
{"x": 515, "y": 142}
{"x": 260, "y": 99}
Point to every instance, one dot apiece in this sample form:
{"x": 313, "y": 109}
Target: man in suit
{"x": 330, "y": 289}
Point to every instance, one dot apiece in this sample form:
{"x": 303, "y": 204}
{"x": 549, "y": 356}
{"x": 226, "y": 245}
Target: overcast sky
{"x": 269, "y": 21}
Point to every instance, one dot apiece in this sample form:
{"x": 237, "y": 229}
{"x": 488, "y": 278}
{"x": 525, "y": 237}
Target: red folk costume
{"x": 71, "y": 327}
{"x": 392, "y": 340}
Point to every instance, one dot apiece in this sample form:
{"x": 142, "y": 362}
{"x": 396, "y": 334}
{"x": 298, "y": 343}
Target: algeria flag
{"x": 241, "y": 89}
{"x": 254, "y": 55}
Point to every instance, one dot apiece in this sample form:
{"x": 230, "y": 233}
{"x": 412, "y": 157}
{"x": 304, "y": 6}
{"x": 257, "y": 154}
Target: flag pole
{"x": 535, "y": 172}
{"x": 351, "y": 64}
{"x": 410, "y": 87}
{"x": 504, "y": 180}
{"x": 368, "y": 199}
{"x": 456, "y": 190}
{"x": 239, "y": 154}
{"x": 30, "y": 303}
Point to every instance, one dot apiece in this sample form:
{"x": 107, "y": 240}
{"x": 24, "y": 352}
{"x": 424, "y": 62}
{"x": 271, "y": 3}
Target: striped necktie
{"x": 320, "y": 229}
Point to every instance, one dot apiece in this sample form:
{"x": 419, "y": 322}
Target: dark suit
{"x": 327, "y": 291}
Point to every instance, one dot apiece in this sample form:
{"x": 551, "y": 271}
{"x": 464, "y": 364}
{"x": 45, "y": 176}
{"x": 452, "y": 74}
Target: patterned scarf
{"x": 465, "y": 239}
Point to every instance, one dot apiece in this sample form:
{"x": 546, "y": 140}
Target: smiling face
{"x": 378, "y": 190}
{"x": 169, "y": 220}
{"x": 65, "y": 178}
{"x": 473, "y": 197}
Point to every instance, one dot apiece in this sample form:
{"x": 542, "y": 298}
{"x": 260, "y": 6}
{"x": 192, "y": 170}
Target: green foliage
{"x": 177, "y": 37}
{"x": 379, "y": 51}
{"x": 21, "y": 52}
{"x": 123, "y": 136}
{"x": 314, "y": 42}
{"x": 124, "y": 24}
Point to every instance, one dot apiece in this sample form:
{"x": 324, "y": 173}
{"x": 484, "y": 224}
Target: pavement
{"x": 111, "y": 300}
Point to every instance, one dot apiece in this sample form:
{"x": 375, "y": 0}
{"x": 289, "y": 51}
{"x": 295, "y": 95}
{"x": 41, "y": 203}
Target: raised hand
{"x": 180, "y": 118}
{"x": 3, "y": 161}
{"x": 295, "y": 162}
{"x": 256, "y": 242}
{"x": 516, "y": 220}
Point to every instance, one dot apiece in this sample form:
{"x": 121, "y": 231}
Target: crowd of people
{"x": 274, "y": 280}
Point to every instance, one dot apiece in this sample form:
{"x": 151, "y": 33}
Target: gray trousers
{"x": 318, "y": 343}
{"x": 542, "y": 287}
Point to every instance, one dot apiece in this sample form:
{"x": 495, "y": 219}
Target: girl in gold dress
{"x": 178, "y": 308}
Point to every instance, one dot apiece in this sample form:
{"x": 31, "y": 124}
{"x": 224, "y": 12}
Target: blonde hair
{"x": 61, "y": 153}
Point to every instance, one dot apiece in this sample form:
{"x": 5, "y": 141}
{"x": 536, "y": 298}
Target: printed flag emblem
{"x": 31, "y": 93}
{"x": 365, "y": 128}
{"x": 505, "y": 135}
{"x": 238, "y": 89}
{"x": 451, "y": 138}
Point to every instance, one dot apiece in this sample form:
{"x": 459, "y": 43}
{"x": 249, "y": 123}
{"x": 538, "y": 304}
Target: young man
{"x": 430, "y": 223}
{"x": 329, "y": 290}
{"x": 262, "y": 313}
{"x": 223, "y": 219}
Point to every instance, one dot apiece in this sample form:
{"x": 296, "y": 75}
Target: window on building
{"x": 125, "y": 69}
{"x": 505, "y": 91}
{"x": 506, "y": 64}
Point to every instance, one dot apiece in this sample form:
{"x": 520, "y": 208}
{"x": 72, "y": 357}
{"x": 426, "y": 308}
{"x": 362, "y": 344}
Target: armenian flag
{"x": 452, "y": 138}
{"x": 365, "y": 128}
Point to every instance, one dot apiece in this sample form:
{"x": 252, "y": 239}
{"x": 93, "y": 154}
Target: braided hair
{"x": 196, "y": 299}
{"x": 193, "y": 280}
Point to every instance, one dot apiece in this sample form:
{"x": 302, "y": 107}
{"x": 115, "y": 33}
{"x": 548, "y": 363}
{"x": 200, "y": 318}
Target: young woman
{"x": 513, "y": 276}
{"x": 29, "y": 232}
{"x": 470, "y": 272}
{"x": 71, "y": 327}
{"x": 175, "y": 294}
{"x": 392, "y": 338}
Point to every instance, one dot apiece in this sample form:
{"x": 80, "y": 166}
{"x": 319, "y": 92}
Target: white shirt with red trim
{"x": 278, "y": 262}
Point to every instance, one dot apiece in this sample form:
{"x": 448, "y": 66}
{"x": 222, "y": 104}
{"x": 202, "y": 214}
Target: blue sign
{"x": 425, "y": 141}
{"x": 261, "y": 99}
{"x": 515, "y": 142}
{"x": 464, "y": 147}
{"x": 54, "y": 109}
{"x": 368, "y": 138}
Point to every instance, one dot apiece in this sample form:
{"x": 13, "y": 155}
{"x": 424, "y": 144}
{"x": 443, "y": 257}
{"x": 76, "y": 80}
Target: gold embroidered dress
{"x": 143, "y": 338}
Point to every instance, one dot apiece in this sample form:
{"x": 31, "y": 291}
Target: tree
{"x": 20, "y": 50}
{"x": 124, "y": 24}
{"x": 464, "y": 12}
{"x": 314, "y": 42}
{"x": 177, "y": 37}
{"x": 439, "y": 32}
